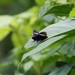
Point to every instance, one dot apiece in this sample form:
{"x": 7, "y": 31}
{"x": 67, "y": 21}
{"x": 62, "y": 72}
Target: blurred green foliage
{"x": 13, "y": 7}
{"x": 55, "y": 17}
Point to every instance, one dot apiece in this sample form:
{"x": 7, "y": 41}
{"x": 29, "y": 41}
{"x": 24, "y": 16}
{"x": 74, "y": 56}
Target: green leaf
{"x": 68, "y": 48}
{"x": 72, "y": 71}
{"x": 5, "y": 20}
{"x": 49, "y": 18}
{"x": 72, "y": 13}
{"x": 50, "y": 59}
{"x": 55, "y": 29}
{"x": 4, "y": 32}
{"x": 60, "y": 10}
{"x": 40, "y": 2}
{"x": 42, "y": 46}
{"x": 61, "y": 71}
{"x": 43, "y": 10}
{"x": 28, "y": 65}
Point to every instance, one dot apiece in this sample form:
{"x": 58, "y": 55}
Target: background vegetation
{"x": 20, "y": 54}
